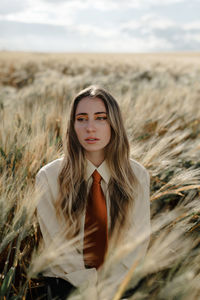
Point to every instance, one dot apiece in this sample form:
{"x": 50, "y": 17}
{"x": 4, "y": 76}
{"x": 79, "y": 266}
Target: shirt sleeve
{"x": 45, "y": 209}
{"x": 73, "y": 269}
{"x": 138, "y": 235}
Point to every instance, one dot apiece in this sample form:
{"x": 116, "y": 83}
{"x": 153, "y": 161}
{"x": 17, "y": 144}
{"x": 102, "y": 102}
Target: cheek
{"x": 108, "y": 133}
{"x": 78, "y": 131}
{"x": 75, "y": 129}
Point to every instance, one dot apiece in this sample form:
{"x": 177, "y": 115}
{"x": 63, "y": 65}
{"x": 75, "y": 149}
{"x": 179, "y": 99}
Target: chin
{"x": 93, "y": 150}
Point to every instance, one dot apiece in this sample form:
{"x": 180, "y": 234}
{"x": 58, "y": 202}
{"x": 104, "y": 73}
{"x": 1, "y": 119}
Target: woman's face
{"x": 91, "y": 125}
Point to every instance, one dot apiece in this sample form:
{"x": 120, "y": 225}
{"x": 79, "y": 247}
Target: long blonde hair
{"x": 122, "y": 186}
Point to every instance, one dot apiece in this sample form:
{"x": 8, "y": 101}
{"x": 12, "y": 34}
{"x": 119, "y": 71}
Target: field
{"x": 159, "y": 95}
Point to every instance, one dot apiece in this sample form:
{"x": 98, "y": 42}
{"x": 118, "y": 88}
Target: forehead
{"x": 90, "y": 105}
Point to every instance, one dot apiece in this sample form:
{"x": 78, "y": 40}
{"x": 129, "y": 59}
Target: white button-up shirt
{"x": 72, "y": 268}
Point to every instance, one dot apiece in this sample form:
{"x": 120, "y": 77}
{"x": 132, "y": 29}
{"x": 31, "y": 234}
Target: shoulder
{"x": 47, "y": 178}
{"x": 51, "y": 169}
{"x": 142, "y": 199}
{"x": 140, "y": 171}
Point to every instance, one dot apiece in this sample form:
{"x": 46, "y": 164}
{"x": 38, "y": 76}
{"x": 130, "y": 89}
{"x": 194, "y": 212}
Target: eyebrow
{"x": 97, "y": 113}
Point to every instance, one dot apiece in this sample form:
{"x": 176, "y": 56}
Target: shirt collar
{"x": 102, "y": 169}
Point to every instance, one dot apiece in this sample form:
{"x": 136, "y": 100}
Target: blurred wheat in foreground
{"x": 159, "y": 97}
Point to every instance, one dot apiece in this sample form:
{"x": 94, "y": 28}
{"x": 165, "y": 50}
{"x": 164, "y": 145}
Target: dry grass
{"x": 159, "y": 97}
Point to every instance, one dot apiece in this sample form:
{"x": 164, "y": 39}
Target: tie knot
{"x": 96, "y": 176}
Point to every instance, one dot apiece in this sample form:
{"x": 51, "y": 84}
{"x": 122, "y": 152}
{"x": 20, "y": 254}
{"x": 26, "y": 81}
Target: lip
{"x": 91, "y": 140}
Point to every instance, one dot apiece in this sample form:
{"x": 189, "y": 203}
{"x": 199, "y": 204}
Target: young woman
{"x": 95, "y": 192}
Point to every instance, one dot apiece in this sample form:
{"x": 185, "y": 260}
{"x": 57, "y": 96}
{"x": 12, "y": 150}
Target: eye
{"x": 81, "y": 118}
{"x": 101, "y": 118}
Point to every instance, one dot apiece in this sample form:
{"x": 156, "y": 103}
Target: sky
{"x": 100, "y": 25}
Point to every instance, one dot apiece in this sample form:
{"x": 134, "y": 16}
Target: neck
{"x": 95, "y": 158}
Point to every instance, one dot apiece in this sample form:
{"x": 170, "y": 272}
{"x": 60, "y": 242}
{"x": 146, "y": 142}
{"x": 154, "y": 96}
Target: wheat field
{"x": 159, "y": 95}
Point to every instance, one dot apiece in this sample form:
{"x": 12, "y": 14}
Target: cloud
{"x": 147, "y": 3}
{"x": 138, "y": 44}
{"x": 37, "y": 37}
{"x": 13, "y": 6}
{"x": 119, "y": 3}
{"x": 98, "y": 32}
{"x": 99, "y": 25}
{"x": 173, "y": 36}
{"x": 147, "y": 24}
{"x": 88, "y": 38}
{"x": 56, "y": 1}
{"x": 192, "y": 26}
{"x": 192, "y": 39}
{"x": 150, "y": 25}
{"x": 40, "y": 13}
{"x": 125, "y": 4}
{"x": 88, "y": 4}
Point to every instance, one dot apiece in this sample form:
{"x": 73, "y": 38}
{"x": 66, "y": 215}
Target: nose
{"x": 90, "y": 126}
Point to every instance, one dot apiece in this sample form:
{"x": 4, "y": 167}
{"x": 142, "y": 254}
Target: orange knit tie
{"x": 95, "y": 242}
